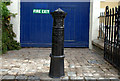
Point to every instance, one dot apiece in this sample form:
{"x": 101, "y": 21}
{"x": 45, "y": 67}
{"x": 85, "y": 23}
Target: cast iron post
{"x": 57, "y": 55}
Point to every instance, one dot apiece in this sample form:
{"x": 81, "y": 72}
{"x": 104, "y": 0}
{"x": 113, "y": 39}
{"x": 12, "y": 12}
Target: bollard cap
{"x": 59, "y": 10}
{"x": 59, "y": 13}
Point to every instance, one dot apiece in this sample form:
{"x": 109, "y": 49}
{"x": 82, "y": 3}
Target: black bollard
{"x": 57, "y": 55}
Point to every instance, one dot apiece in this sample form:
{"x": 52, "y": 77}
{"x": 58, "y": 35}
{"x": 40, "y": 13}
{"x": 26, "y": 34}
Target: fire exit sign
{"x": 41, "y": 11}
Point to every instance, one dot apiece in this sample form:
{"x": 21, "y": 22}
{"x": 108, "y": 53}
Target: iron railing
{"x": 112, "y": 36}
{"x": 101, "y": 26}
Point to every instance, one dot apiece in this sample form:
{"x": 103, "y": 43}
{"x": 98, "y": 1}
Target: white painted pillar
{"x": 15, "y": 8}
{"x": 94, "y": 21}
{"x": 90, "y": 26}
{"x": 96, "y": 14}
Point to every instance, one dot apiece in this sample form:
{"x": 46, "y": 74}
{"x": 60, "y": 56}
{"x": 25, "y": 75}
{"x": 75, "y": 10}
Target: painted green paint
{"x": 41, "y": 11}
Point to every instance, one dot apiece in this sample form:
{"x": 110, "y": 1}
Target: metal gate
{"x": 112, "y": 36}
{"x": 36, "y": 29}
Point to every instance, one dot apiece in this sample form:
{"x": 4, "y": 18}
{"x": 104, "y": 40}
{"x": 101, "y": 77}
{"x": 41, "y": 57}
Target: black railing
{"x": 101, "y": 26}
{"x": 112, "y": 36}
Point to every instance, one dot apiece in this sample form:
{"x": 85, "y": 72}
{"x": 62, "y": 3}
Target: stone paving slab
{"x": 33, "y": 78}
{"x": 32, "y": 64}
{"x": 1, "y": 77}
{"x": 21, "y": 77}
{"x": 8, "y": 78}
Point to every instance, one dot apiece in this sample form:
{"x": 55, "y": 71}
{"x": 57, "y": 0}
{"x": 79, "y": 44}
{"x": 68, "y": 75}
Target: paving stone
{"x": 96, "y": 74}
{"x": 33, "y": 78}
{"x": 90, "y": 79}
{"x": 26, "y": 61}
{"x": 3, "y": 70}
{"x": 1, "y": 77}
{"x": 55, "y": 79}
{"x": 8, "y": 77}
{"x": 71, "y": 74}
{"x": 103, "y": 79}
{"x": 45, "y": 77}
{"x": 65, "y": 78}
{"x": 77, "y": 78}
{"x": 39, "y": 67}
{"x": 4, "y": 73}
{"x": 88, "y": 74}
{"x": 46, "y": 65}
{"x": 114, "y": 79}
{"x": 13, "y": 72}
{"x": 78, "y": 66}
{"x": 21, "y": 77}
{"x": 12, "y": 65}
{"x": 72, "y": 66}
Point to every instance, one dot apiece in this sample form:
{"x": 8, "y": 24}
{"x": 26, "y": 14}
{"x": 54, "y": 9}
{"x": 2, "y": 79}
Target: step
{"x": 98, "y": 46}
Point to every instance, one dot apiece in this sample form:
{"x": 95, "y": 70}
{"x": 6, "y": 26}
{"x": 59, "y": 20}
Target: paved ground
{"x": 33, "y": 63}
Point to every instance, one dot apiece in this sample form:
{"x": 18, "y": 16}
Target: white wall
{"x": 15, "y": 8}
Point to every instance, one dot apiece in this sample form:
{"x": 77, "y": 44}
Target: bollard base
{"x": 55, "y": 77}
{"x": 56, "y": 66}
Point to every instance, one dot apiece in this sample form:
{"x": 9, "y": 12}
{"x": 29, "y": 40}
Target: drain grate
{"x": 93, "y": 62}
